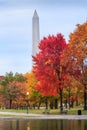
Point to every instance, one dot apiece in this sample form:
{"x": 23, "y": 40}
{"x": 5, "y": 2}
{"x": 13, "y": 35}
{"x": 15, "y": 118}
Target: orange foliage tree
{"x": 34, "y": 95}
{"x": 76, "y": 55}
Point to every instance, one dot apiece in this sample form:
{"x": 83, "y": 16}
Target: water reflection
{"x": 28, "y": 126}
{"x": 43, "y": 124}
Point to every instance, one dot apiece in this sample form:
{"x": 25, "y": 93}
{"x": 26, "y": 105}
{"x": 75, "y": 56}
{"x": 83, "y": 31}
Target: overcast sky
{"x": 55, "y": 16}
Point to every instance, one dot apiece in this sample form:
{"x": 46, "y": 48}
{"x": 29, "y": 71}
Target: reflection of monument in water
{"x": 35, "y": 33}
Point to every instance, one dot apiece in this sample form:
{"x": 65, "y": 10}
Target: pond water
{"x": 43, "y": 124}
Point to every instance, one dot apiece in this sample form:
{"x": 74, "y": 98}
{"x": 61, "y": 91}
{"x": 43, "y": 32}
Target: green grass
{"x": 72, "y": 111}
{"x": 35, "y": 111}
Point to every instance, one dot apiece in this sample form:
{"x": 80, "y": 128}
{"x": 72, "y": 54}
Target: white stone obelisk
{"x": 35, "y": 33}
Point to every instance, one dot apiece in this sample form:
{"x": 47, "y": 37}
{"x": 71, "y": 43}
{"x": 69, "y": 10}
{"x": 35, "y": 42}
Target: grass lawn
{"x": 72, "y": 111}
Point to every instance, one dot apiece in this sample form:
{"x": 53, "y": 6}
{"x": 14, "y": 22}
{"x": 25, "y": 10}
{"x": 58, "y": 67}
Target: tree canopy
{"x": 47, "y": 64}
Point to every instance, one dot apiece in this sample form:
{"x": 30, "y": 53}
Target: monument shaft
{"x": 35, "y": 33}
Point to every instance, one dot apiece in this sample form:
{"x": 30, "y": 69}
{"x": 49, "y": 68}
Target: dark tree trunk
{"x": 39, "y": 105}
{"x": 10, "y": 103}
{"x": 51, "y": 105}
{"x": 77, "y": 101}
{"x": 46, "y": 102}
{"x": 56, "y": 103}
{"x": 69, "y": 98}
{"x": 72, "y": 103}
{"x": 61, "y": 101}
{"x": 85, "y": 98}
{"x": 66, "y": 103}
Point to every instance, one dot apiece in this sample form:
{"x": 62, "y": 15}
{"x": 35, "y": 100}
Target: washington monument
{"x": 35, "y": 33}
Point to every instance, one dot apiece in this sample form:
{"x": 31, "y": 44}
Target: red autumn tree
{"x": 47, "y": 65}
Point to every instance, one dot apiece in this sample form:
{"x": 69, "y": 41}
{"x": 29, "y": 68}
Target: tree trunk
{"x": 77, "y": 101}
{"x": 69, "y": 98}
{"x": 51, "y": 105}
{"x": 46, "y": 102}
{"x": 85, "y": 98}
{"x": 61, "y": 101}
{"x": 10, "y": 103}
{"x": 72, "y": 103}
{"x": 39, "y": 105}
{"x": 66, "y": 103}
{"x": 56, "y": 103}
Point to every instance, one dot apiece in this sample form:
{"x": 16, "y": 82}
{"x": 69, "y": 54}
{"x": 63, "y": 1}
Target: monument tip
{"x": 35, "y": 14}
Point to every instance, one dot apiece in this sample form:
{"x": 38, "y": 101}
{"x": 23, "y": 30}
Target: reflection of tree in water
{"x": 10, "y": 125}
{"x": 85, "y": 124}
{"x": 37, "y": 125}
{"x": 56, "y": 125}
{"x": 48, "y": 125}
{"x": 61, "y": 124}
{"x": 28, "y": 126}
{"x": 80, "y": 125}
{"x": 43, "y": 124}
{"x": 14, "y": 125}
{"x": 75, "y": 125}
{"x": 17, "y": 125}
{"x": 64, "y": 125}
